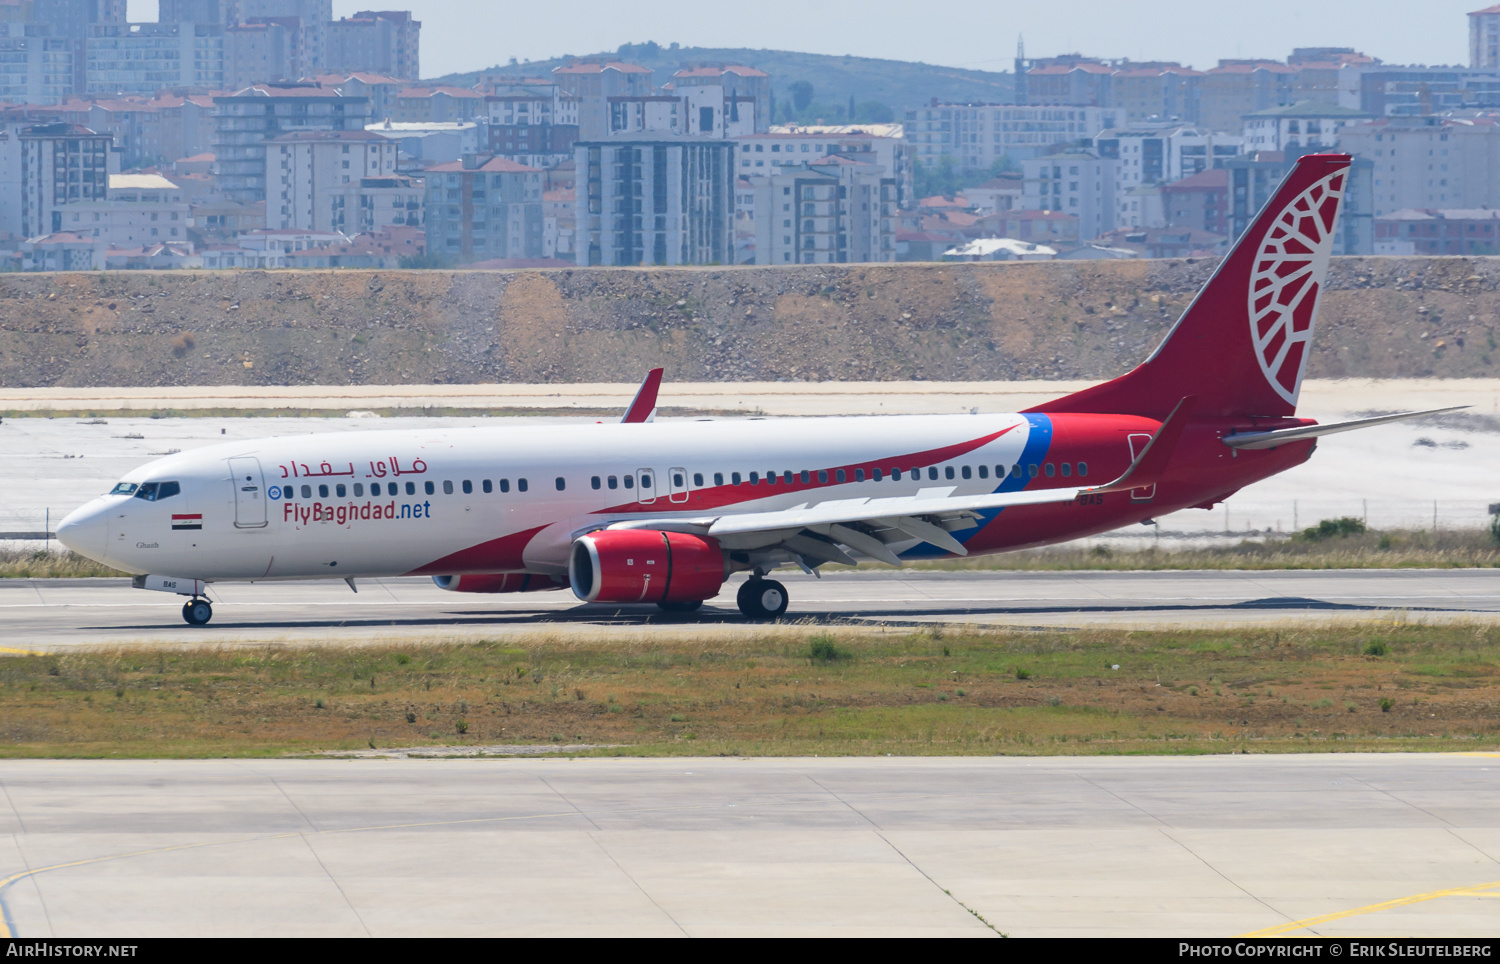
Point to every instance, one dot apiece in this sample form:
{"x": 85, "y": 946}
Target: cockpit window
{"x": 156, "y": 491}
{"x": 124, "y": 488}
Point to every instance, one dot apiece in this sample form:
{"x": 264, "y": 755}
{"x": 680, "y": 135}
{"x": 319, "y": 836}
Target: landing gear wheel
{"x": 762, "y": 599}
{"x": 680, "y": 607}
{"x": 197, "y": 612}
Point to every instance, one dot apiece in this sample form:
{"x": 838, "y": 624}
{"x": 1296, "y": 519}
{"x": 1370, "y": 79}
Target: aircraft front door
{"x": 249, "y": 493}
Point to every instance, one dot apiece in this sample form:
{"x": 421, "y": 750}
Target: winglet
{"x": 643, "y": 408}
{"x": 1149, "y": 466}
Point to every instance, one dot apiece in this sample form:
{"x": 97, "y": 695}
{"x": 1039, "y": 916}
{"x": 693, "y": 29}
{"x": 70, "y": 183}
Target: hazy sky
{"x": 471, "y": 34}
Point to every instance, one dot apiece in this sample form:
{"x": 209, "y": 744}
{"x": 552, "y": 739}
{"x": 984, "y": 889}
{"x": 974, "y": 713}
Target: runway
{"x": 58, "y": 613}
{"x": 1207, "y": 846}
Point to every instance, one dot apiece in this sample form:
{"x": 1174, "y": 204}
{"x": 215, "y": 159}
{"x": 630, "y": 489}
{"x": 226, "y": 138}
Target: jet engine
{"x": 500, "y": 582}
{"x": 646, "y": 566}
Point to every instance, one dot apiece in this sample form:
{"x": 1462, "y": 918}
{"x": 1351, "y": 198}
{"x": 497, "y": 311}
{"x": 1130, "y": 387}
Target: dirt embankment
{"x": 1381, "y": 317}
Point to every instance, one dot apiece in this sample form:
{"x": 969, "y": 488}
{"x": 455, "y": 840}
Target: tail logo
{"x": 1289, "y": 269}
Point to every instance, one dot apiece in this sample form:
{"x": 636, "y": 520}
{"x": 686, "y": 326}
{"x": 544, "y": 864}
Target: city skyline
{"x": 461, "y": 36}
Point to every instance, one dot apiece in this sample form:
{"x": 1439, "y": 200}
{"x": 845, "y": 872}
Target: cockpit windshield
{"x": 156, "y": 491}
{"x": 124, "y": 488}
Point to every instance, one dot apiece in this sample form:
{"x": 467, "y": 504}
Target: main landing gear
{"x": 762, "y": 598}
{"x": 197, "y": 612}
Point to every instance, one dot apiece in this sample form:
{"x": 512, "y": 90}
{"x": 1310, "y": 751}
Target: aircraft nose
{"x": 86, "y": 530}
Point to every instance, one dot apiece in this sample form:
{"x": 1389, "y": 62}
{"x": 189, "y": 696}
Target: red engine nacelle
{"x": 646, "y": 566}
{"x": 500, "y": 582}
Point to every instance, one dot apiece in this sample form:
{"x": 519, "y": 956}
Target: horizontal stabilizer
{"x": 1281, "y": 436}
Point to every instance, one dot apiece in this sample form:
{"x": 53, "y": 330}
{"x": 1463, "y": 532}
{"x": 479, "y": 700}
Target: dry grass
{"x": 1385, "y": 686}
{"x": 57, "y": 564}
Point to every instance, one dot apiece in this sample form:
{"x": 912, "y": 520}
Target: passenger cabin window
{"x": 411, "y": 488}
{"x": 698, "y": 479}
{"x": 734, "y": 477}
{"x": 124, "y": 488}
{"x": 967, "y": 473}
{"x": 429, "y": 488}
{"x": 678, "y": 480}
{"x": 595, "y": 482}
{"x": 468, "y": 487}
{"x": 1031, "y": 470}
{"x": 505, "y": 485}
{"x": 340, "y": 491}
{"x": 447, "y": 486}
{"x": 838, "y": 474}
{"x": 859, "y": 475}
{"x": 307, "y": 491}
{"x": 1067, "y": 469}
{"x": 323, "y": 491}
{"x": 1083, "y": 468}
{"x": 561, "y": 483}
{"x": 947, "y": 471}
{"x": 806, "y": 478}
{"x": 755, "y": 478}
{"x": 932, "y": 473}
{"x": 629, "y": 481}
{"x": 487, "y": 486}
{"x": 822, "y": 475}
{"x": 520, "y": 485}
{"x": 1051, "y": 470}
{"x": 359, "y": 489}
{"x": 771, "y": 478}
{"x": 895, "y": 475}
{"x": 984, "y": 471}
{"x": 718, "y": 478}
{"x": 614, "y": 483}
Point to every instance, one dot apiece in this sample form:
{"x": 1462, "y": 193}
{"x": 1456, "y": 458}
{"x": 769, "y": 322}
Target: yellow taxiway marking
{"x": 1297, "y": 925}
{"x": 5, "y": 882}
{"x": 21, "y": 652}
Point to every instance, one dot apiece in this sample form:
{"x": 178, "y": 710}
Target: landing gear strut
{"x": 762, "y": 598}
{"x": 197, "y": 612}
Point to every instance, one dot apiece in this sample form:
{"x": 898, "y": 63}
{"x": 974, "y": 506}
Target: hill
{"x": 1382, "y": 318}
{"x": 897, "y": 84}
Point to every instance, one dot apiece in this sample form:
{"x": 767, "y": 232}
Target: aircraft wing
{"x": 816, "y": 530}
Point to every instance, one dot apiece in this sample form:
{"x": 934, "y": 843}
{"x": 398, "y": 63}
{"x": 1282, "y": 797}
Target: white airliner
{"x": 664, "y": 512}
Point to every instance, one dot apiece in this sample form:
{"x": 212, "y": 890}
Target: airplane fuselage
{"x": 496, "y": 500}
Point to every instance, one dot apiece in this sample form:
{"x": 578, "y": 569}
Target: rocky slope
{"x": 1381, "y": 317}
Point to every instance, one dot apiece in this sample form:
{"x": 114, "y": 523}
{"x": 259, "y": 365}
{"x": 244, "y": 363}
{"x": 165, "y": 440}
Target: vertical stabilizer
{"x": 1242, "y": 345}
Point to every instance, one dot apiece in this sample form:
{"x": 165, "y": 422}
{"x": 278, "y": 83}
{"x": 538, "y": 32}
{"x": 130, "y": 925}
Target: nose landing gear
{"x": 762, "y": 598}
{"x": 197, "y": 612}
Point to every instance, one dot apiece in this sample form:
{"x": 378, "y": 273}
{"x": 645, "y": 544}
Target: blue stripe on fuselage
{"x": 1038, "y": 443}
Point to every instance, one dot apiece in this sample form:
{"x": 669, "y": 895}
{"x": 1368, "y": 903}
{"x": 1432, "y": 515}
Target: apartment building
{"x": 1484, "y": 38}
{"x": 978, "y": 135}
{"x": 138, "y": 210}
{"x": 1428, "y": 162}
{"x": 246, "y": 120}
{"x": 480, "y": 208}
{"x": 734, "y": 89}
{"x": 1470, "y": 232}
{"x": 532, "y": 124}
{"x": 338, "y": 181}
{"x": 1156, "y": 92}
{"x": 381, "y": 41}
{"x": 55, "y": 165}
{"x": 1306, "y": 125}
{"x": 592, "y": 84}
{"x": 830, "y": 210}
{"x": 436, "y": 105}
{"x": 1238, "y": 87}
{"x": 1150, "y": 156}
{"x": 1254, "y": 178}
{"x": 760, "y": 154}
{"x": 1075, "y": 182}
{"x": 1200, "y": 202}
{"x": 659, "y": 200}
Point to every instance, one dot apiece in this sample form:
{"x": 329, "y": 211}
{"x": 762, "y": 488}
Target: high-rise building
{"x": 660, "y": 201}
{"x": 978, "y": 135}
{"x": 831, "y": 210}
{"x": 480, "y": 208}
{"x": 593, "y": 84}
{"x": 338, "y": 181}
{"x": 379, "y": 41}
{"x": 249, "y": 118}
{"x": 60, "y": 164}
{"x": 1484, "y": 38}
{"x": 1076, "y": 182}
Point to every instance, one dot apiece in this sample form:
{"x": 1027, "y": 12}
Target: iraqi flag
{"x": 191, "y": 521}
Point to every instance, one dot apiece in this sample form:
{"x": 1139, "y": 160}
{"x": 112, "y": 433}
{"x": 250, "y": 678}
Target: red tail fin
{"x": 1242, "y": 345}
